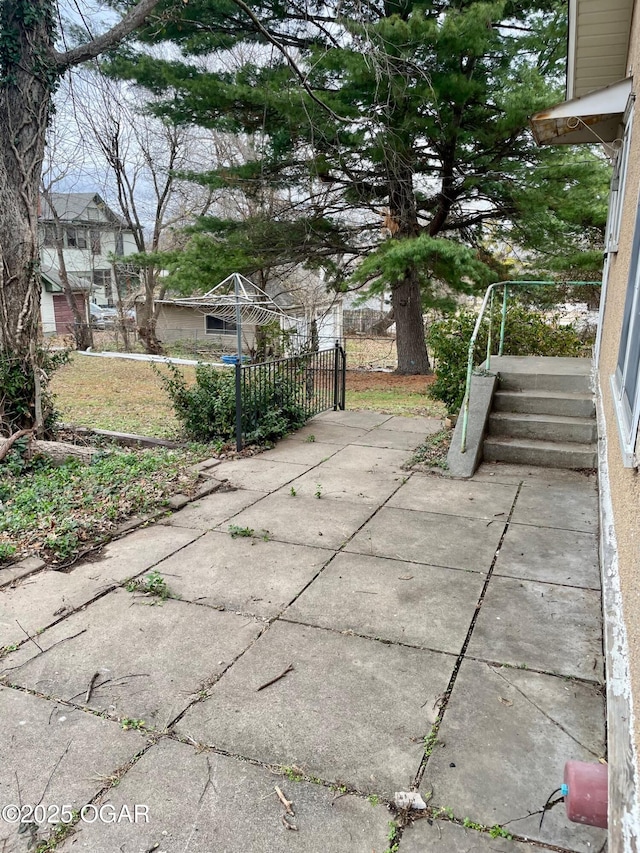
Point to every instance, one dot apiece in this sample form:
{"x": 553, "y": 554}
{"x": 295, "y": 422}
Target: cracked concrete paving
{"x": 395, "y": 608}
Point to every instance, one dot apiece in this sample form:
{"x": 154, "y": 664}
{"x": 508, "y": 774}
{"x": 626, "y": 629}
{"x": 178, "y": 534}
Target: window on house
{"x": 119, "y": 244}
{"x": 625, "y": 385}
{"x": 95, "y": 241}
{"x": 216, "y": 326}
{"x": 49, "y": 235}
{"x": 76, "y": 238}
{"x": 618, "y": 182}
{"x": 102, "y": 280}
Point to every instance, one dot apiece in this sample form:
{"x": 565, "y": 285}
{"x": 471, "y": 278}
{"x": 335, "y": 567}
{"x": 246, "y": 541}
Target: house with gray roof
{"x": 93, "y": 235}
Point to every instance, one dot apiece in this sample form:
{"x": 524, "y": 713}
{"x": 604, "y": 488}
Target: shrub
{"x": 207, "y": 410}
{"x": 527, "y": 332}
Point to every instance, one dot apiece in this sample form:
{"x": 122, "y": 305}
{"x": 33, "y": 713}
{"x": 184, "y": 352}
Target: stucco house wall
{"x": 624, "y": 481}
{"x": 603, "y": 84}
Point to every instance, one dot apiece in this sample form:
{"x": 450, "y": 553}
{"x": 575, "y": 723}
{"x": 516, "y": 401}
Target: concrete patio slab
{"x": 352, "y": 710}
{"x": 42, "y": 599}
{"x": 320, "y": 522}
{"x": 208, "y": 512}
{"x": 440, "y": 836}
{"x": 243, "y": 574}
{"x": 374, "y": 460}
{"x": 353, "y": 486}
{"x": 151, "y": 660}
{"x": 504, "y": 752}
{"x": 39, "y": 601}
{"x": 504, "y": 472}
{"x": 360, "y": 420}
{"x": 539, "y": 503}
{"x": 426, "y": 537}
{"x": 464, "y": 498}
{"x": 15, "y": 571}
{"x": 370, "y": 603}
{"x": 394, "y": 440}
{"x": 303, "y": 453}
{"x": 543, "y": 626}
{"x": 54, "y": 755}
{"x": 550, "y": 555}
{"x": 418, "y": 425}
{"x": 327, "y": 432}
{"x": 261, "y": 475}
{"x": 135, "y": 553}
{"x": 205, "y": 802}
{"x": 420, "y": 605}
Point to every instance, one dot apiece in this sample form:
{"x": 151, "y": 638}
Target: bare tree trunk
{"x": 24, "y": 108}
{"x": 382, "y": 325}
{"x": 147, "y": 330}
{"x": 406, "y": 298}
{"x": 410, "y": 340}
{"x": 29, "y": 71}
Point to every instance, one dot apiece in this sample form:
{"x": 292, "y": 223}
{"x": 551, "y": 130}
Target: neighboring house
{"x": 603, "y": 82}
{"x": 184, "y": 323}
{"x": 93, "y": 235}
{"x": 308, "y": 312}
{"x": 55, "y": 313}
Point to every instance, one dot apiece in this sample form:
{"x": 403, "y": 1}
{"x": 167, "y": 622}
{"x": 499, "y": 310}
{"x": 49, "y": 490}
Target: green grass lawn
{"x": 395, "y": 401}
{"x": 127, "y": 396}
{"x": 115, "y": 394}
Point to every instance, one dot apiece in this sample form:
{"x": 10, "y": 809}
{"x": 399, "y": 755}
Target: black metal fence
{"x": 303, "y": 385}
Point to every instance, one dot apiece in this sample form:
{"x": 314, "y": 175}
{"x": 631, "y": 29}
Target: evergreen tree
{"x": 400, "y": 126}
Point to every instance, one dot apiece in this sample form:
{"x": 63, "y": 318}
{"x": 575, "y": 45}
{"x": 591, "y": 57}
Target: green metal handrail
{"x": 488, "y": 298}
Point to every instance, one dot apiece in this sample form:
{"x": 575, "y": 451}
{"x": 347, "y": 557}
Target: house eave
{"x": 598, "y": 44}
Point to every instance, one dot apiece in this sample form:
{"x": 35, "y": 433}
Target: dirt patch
{"x": 369, "y": 380}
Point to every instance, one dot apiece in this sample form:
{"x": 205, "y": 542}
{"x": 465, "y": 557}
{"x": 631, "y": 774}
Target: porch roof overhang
{"x": 592, "y": 118}
{"x": 52, "y": 283}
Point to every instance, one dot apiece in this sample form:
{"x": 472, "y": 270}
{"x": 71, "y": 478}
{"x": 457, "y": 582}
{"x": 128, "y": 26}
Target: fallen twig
{"x": 277, "y": 678}
{"x": 90, "y": 687}
{"x": 28, "y": 635}
{"x": 287, "y": 824}
{"x": 285, "y": 802}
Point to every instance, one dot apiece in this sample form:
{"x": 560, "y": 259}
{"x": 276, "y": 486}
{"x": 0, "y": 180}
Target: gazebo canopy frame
{"x": 240, "y": 300}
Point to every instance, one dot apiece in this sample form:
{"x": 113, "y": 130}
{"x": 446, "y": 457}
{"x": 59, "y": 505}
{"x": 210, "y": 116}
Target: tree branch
{"x": 131, "y": 21}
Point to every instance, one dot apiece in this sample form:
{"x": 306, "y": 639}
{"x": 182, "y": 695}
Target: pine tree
{"x": 400, "y": 127}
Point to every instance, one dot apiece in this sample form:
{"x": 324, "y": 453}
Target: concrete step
{"x": 543, "y": 426}
{"x": 546, "y": 454}
{"x": 573, "y": 405}
{"x": 536, "y": 373}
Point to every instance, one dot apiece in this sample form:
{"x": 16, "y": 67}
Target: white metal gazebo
{"x": 236, "y": 299}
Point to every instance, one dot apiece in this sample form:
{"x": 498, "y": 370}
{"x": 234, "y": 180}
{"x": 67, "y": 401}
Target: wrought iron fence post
{"x": 236, "y": 285}
{"x": 336, "y": 383}
{"x": 238, "y": 405}
{"x": 343, "y": 372}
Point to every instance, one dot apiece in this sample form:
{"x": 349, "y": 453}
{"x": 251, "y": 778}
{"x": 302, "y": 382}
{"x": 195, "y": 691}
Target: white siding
{"x": 46, "y": 313}
{"x": 599, "y": 44}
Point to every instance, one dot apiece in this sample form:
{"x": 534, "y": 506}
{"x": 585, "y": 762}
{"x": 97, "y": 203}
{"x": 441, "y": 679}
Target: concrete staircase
{"x": 543, "y": 413}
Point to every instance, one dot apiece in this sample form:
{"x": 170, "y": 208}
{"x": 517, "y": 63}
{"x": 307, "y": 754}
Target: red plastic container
{"x": 586, "y": 792}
